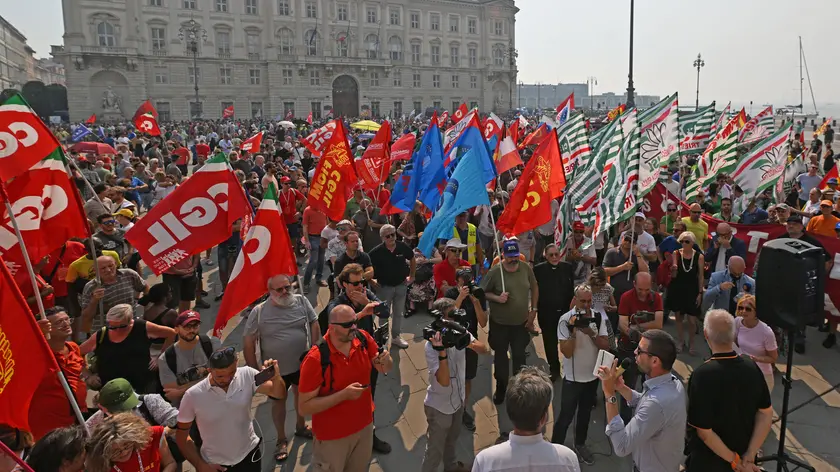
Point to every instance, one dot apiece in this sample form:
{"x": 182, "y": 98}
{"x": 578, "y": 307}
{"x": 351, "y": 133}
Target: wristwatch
{"x": 612, "y": 400}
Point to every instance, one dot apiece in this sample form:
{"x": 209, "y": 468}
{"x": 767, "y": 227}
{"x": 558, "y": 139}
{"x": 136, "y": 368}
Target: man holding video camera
{"x": 581, "y": 333}
{"x": 470, "y": 298}
{"x": 447, "y": 346}
{"x": 639, "y": 310}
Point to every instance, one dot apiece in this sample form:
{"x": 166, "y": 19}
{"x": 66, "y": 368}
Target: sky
{"x": 750, "y": 46}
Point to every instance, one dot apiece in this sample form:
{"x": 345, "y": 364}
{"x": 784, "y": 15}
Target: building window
{"x": 415, "y": 20}
{"x": 371, "y": 15}
{"x": 223, "y": 43}
{"x": 397, "y": 79}
{"x": 473, "y": 105}
{"x": 374, "y": 79}
{"x": 190, "y": 4}
{"x": 163, "y": 111}
{"x": 314, "y": 77}
{"x": 454, "y": 52}
{"x": 416, "y": 80}
{"x": 499, "y": 57}
{"x": 251, "y": 7}
{"x": 498, "y": 27}
{"x": 342, "y": 12}
{"x": 256, "y": 109}
{"x": 418, "y": 107}
{"x": 288, "y": 76}
{"x": 395, "y": 48}
{"x": 106, "y": 34}
{"x": 155, "y": 3}
{"x": 435, "y": 54}
{"x": 288, "y": 107}
{"x": 434, "y": 21}
{"x": 455, "y": 104}
{"x": 252, "y": 41}
{"x": 436, "y": 104}
{"x": 254, "y": 76}
{"x": 453, "y": 24}
{"x": 394, "y": 16}
{"x": 472, "y": 25}
{"x": 196, "y": 109}
{"x": 455, "y": 80}
{"x": 283, "y": 8}
{"x": 315, "y": 107}
{"x": 397, "y": 109}
{"x": 161, "y": 77}
{"x": 372, "y": 44}
{"x": 436, "y": 80}
{"x": 311, "y": 10}
{"x": 415, "y": 53}
{"x": 194, "y": 74}
{"x": 343, "y": 47}
{"x": 158, "y": 38}
{"x": 311, "y": 41}
{"x": 473, "y": 81}
{"x": 225, "y": 75}
{"x": 222, "y": 5}
{"x": 374, "y": 109}
{"x": 287, "y": 40}
{"x": 472, "y": 52}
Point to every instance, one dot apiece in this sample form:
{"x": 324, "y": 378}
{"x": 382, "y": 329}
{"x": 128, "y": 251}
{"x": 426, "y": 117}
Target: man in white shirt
{"x": 581, "y": 333}
{"x": 444, "y": 403}
{"x": 645, "y": 241}
{"x": 527, "y": 399}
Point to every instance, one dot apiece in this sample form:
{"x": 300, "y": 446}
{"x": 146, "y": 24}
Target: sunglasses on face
{"x": 114, "y": 328}
{"x": 696, "y": 212}
{"x": 346, "y": 324}
{"x": 354, "y": 283}
{"x": 109, "y": 222}
{"x": 672, "y": 209}
{"x": 553, "y": 254}
{"x": 685, "y": 241}
{"x": 745, "y": 308}
{"x": 452, "y": 249}
{"x": 390, "y": 235}
{"x": 342, "y": 228}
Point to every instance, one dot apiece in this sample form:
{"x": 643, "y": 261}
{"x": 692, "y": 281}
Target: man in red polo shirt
{"x": 50, "y": 407}
{"x": 340, "y": 399}
{"x": 55, "y": 271}
{"x": 444, "y": 271}
{"x": 289, "y": 198}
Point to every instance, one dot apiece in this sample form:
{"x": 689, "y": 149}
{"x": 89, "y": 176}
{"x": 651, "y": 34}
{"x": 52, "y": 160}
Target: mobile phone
{"x": 365, "y": 386}
{"x": 264, "y": 376}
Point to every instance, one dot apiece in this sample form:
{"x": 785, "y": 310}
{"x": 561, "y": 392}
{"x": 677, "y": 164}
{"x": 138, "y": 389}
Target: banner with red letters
{"x": 316, "y": 140}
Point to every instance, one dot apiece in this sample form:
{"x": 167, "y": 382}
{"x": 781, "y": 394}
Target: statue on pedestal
{"x": 111, "y": 102}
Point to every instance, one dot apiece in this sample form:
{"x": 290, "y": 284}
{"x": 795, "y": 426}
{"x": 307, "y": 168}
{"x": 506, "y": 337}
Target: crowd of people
{"x": 168, "y": 394}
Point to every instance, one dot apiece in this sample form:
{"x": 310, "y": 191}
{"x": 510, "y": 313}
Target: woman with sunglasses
{"x": 685, "y": 291}
{"x": 755, "y": 338}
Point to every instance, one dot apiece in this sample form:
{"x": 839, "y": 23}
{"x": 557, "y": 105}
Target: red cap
{"x": 285, "y": 179}
{"x": 186, "y": 317}
{"x": 578, "y": 226}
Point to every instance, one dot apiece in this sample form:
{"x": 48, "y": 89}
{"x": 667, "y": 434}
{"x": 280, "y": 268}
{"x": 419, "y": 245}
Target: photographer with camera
{"x": 470, "y": 298}
{"x": 581, "y": 333}
{"x": 447, "y": 346}
{"x": 639, "y": 310}
{"x": 365, "y": 304}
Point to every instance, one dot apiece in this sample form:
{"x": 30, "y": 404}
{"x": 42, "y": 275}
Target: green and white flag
{"x": 586, "y": 184}
{"x": 659, "y": 142}
{"x": 720, "y": 156}
{"x": 614, "y": 175}
{"x": 696, "y": 129}
{"x": 793, "y": 169}
{"x": 574, "y": 144}
{"x": 630, "y": 157}
{"x": 764, "y": 164}
{"x": 721, "y": 119}
{"x": 760, "y": 127}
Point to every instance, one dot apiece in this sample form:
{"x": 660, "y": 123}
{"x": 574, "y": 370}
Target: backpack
{"x": 172, "y": 362}
{"x": 324, "y": 349}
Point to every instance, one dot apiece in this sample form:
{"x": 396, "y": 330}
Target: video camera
{"x": 642, "y": 317}
{"x": 467, "y": 275}
{"x": 583, "y": 321}
{"x": 381, "y": 311}
{"x": 452, "y": 333}
{"x": 381, "y": 335}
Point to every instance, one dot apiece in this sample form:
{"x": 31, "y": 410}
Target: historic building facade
{"x": 269, "y": 57}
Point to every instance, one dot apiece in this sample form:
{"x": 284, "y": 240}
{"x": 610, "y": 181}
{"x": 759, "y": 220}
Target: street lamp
{"x": 591, "y": 82}
{"x": 192, "y": 32}
{"x": 511, "y": 54}
{"x": 631, "y": 100}
{"x": 698, "y": 63}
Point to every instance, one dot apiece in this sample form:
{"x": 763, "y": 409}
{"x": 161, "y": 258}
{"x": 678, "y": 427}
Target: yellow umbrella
{"x": 366, "y": 125}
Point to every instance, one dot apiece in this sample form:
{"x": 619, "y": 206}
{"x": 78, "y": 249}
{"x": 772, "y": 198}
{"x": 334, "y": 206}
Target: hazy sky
{"x": 750, "y": 46}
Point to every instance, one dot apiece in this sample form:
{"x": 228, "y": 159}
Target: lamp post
{"x": 631, "y": 100}
{"x": 192, "y": 32}
{"x": 512, "y": 54}
{"x": 698, "y": 63}
{"x": 591, "y": 82}
{"x": 520, "y": 93}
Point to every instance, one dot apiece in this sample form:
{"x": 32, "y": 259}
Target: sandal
{"x": 281, "y": 450}
{"x": 305, "y": 432}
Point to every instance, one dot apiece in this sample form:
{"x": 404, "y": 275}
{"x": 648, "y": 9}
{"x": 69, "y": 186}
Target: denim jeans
{"x": 575, "y": 397}
{"x": 316, "y": 260}
{"x": 394, "y": 297}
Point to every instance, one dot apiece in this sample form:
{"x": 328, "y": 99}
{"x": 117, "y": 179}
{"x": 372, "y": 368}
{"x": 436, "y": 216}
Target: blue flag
{"x": 101, "y": 132}
{"x": 428, "y": 167}
{"x": 80, "y": 132}
{"x": 405, "y": 189}
{"x": 464, "y": 190}
{"x": 469, "y": 140}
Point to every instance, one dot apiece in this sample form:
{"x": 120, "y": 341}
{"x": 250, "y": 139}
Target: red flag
{"x": 228, "y": 112}
{"x": 91, "y": 120}
{"x": 266, "y": 252}
{"x": 513, "y": 131}
{"x": 492, "y": 126}
{"x": 542, "y": 181}
{"x": 334, "y": 178}
{"x": 195, "y": 217}
{"x": 375, "y": 164}
{"x": 616, "y": 112}
{"x": 460, "y": 113}
{"x": 535, "y": 137}
{"x": 144, "y": 109}
{"x": 443, "y": 119}
{"x": 147, "y": 124}
{"x": 290, "y": 115}
{"x": 253, "y": 143}
{"x": 830, "y": 174}
{"x": 507, "y": 156}
{"x": 309, "y": 118}
{"x": 402, "y": 148}
{"x": 24, "y": 139}
{"x": 317, "y": 139}
{"x": 25, "y": 358}
{"x": 48, "y": 211}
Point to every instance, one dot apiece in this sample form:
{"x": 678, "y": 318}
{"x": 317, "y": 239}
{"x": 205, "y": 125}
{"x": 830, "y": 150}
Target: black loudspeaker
{"x": 790, "y": 285}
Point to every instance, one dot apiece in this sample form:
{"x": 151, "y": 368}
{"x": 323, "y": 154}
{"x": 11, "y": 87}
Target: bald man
{"x": 725, "y": 285}
{"x": 724, "y": 246}
{"x": 697, "y": 226}
{"x": 731, "y": 429}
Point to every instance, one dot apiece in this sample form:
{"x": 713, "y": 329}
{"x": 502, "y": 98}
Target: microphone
{"x": 625, "y": 364}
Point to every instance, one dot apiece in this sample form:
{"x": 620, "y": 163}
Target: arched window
{"x": 343, "y": 45}
{"x": 372, "y": 46}
{"x": 310, "y": 40}
{"x": 498, "y": 56}
{"x": 287, "y": 41}
{"x": 106, "y": 34}
{"x": 395, "y": 48}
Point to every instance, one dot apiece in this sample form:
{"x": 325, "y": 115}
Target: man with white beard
{"x": 286, "y": 326}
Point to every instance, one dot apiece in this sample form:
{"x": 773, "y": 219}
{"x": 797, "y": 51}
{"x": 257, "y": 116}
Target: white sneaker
{"x": 400, "y": 343}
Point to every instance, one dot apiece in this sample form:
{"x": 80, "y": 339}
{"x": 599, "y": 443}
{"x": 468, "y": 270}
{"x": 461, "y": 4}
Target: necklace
{"x": 690, "y": 264}
{"x": 139, "y": 461}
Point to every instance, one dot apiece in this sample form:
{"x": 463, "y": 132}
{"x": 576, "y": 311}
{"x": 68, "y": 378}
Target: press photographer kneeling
{"x": 447, "y": 337}
{"x": 639, "y": 310}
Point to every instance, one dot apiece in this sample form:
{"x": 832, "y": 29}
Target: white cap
{"x": 455, "y": 243}
{"x": 639, "y": 215}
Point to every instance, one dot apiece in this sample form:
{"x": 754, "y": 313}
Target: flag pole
{"x": 41, "y": 313}
{"x": 498, "y": 248}
{"x": 7, "y": 451}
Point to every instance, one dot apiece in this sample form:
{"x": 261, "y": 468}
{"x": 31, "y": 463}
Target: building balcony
{"x": 110, "y": 50}
{"x": 160, "y": 52}
{"x": 223, "y": 54}
{"x": 254, "y": 56}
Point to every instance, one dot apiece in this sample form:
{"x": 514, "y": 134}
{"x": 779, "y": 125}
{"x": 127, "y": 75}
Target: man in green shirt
{"x": 666, "y": 224}
{"x": 725, "y": 213}
{"x": 512, "y": 313}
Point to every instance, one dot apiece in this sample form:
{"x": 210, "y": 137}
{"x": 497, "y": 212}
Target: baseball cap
{"x": 837, "y": 227}
{"x": 344, "y": 223}
{"x": 782, "y": 206}
{"x": 125, "y": 212}
{"x": 578, "y": 226}
{"x": 118, "y": 396}
{"x": 285, "y": 180}
{"x": 510, "y": 248}
{"x": 639, "y": 215}
{"x": 826, "y": 202}
{"x": 832, "y": 180}
{"x": 455, "y": 243}
{"x": 292, "y": 168}
{"x": 794, "y": 219}
{"x": 186, "y": 317}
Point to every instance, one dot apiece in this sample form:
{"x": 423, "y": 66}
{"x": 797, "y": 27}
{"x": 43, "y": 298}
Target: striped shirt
{"x": 124, "y": 290}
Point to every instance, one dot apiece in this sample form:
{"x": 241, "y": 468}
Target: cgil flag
{"x": 144, "y": 109}
{"x": 764, "y": 165}
{"x": 266, "y": 252}
{"x": 402, "y": 148}
{"x": 535, "y": 137}
{"x": 822, "y": 128}
{"x": 565, "y": 109}
{"x": 147, "y": 124}
{"x": 24, "y": 139}
{"x": 616, "y": 112}
{"x": 228, "y": 112}
{"x": 460, "y": 113}
{"x": 309, "y": 118}
{"x": 195, "y": 217}
{"x": 492, "y": 126}
{"x": 253, "y": 143}
{"x": 334, "y": 178}
{"x": 758, "y": 128}
{"x": 375, "y": 164}
{"x": 659, "y": 142}
{"x": 317, "y": 139}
